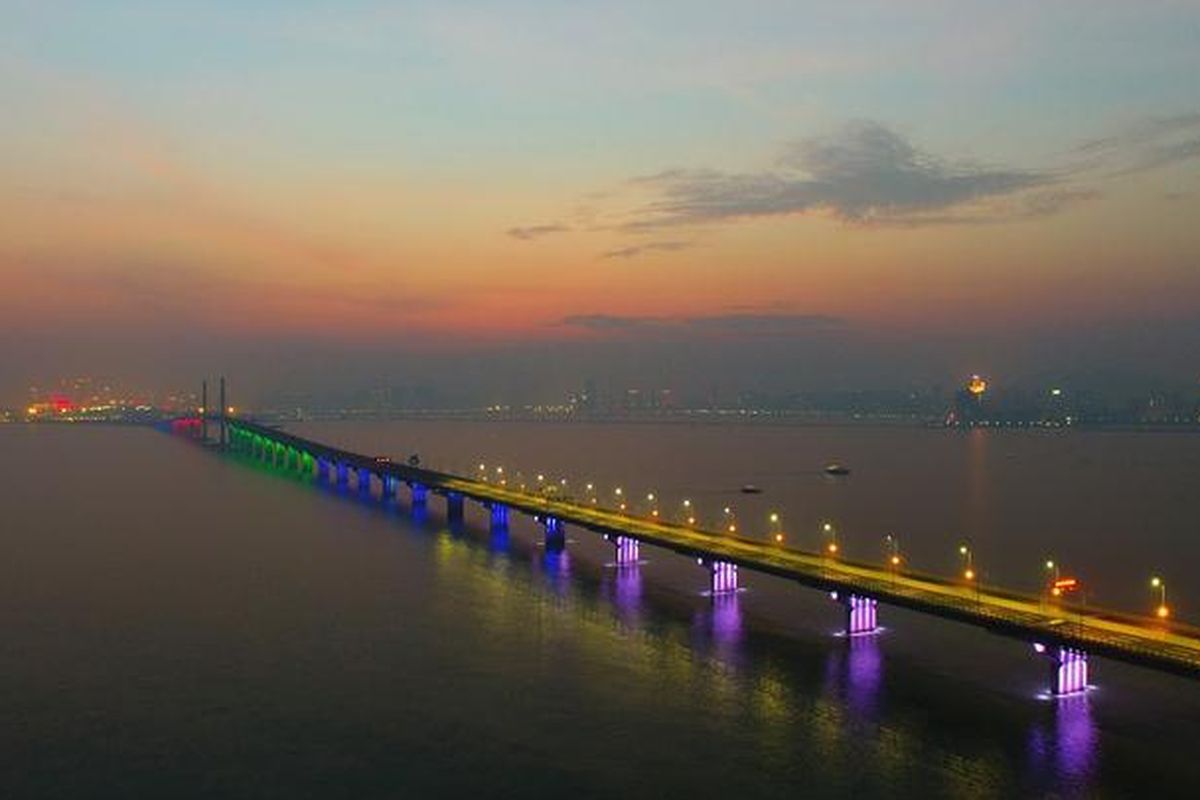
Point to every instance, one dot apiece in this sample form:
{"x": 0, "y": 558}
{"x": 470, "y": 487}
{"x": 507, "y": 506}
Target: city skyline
{"x": 847, "y": 197}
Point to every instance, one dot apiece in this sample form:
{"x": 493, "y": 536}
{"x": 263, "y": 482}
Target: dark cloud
{"x": 648, "y": 247}
{"x": 534, "y": 231}
{"x": 608, "y": 322}
{"x": 866, "y": 173}
{"x": 754, "y": 324}
{"x": 740, "y": 324}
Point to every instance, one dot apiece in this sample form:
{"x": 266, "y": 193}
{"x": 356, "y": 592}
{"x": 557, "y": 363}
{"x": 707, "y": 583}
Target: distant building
{"x": 968, "y": 406}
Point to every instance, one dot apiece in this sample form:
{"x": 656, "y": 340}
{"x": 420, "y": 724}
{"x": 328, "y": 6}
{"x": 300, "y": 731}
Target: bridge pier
{"x": 388, "y": 490}
{"x": 1068, "y": 668}
{"x": 454, "y": 508}
{"x": 343, "y": 473}
{"x": 420, "y": 494}
{"x": 862, "y": 615}
{"x": 722, "y": 575}
{"x": 627, "y": 549}
{"x": 322, "y": 469}
{"x": 556, "y": 533}
{"x": 364, "y": 480}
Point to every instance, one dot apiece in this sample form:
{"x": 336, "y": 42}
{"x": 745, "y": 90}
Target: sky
{"x": 510, "y": 197}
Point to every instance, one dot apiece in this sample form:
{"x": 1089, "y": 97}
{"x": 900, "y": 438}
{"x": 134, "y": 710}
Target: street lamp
{"x": 653, "y": 504}
{"x": 1055, "y": 577}
{"x": 776, "y": 529}
{"x": 730, "y": 520}
{"x": 831, "y": 546}
{"x": 1163, "y": 611}
{"x": 620, "y": 493}
{"x": 968, "y": 562}
{"x": 689, "y": 514}
{"x": 893, "y": 551}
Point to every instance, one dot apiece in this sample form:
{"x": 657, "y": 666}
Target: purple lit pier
{"x": 364, "y": 480}
{"x": 419, "y": 494}
{"x": 627, "y": 549}
{"x": 389, "y": 487}
{"x": 343, "y": 473}
{"x": 1068, "y": 668}
{"x": 861, "y": 614}
{"x": 723, "y": 576}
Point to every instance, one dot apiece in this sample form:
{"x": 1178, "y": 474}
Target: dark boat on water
{"x": 750, "y": 488}
{"x": 836, "y": 469}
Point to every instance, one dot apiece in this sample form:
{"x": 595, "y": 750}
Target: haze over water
{"x": 191, "y": 625}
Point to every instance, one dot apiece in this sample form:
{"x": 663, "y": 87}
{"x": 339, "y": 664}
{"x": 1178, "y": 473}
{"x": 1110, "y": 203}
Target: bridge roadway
{"x": 1143, "y": 641}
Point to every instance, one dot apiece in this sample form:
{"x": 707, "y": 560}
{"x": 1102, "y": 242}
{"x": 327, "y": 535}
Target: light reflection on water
{"x": 516, "y": 659}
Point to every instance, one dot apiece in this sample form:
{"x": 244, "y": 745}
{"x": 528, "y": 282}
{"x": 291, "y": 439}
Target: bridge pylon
{"x": 1068, "y": 668}
{"x": 862, "y": 613}
{"x": 627, "y": 549}
{"x": 722, "y": 575}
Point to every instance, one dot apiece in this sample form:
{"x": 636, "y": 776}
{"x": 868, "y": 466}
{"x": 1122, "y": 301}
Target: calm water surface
{"x": 178, "y": 624}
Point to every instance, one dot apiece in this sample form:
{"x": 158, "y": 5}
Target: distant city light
{"x": 977, "y": 385}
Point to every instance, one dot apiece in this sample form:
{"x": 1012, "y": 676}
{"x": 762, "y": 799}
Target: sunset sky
{"x": 894, "y": 188}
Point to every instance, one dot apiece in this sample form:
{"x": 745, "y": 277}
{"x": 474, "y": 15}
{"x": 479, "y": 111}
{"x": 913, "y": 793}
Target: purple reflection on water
{"x": 624, "y": 591}
{"x": 864, "y": 673}
{"x": 1075, "y": 736}
{"x": 854, "y": 674}
{"x": 627, "y": 584}
{"x": 1069, "y": 745}
{"x": 726, "y": 618}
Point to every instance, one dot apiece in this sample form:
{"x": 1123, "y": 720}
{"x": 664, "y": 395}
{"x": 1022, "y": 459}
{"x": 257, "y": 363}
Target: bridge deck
{"x": 1144, "y": 641}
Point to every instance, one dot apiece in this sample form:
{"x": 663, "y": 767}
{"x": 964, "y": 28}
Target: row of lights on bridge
{"x": 1057, "y": 585}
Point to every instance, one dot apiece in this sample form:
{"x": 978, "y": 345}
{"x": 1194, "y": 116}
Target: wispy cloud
{"x": 1146, "y": 145}
{"x": 741, "y": 324}
{"x": 609, "y": 322}
{"x": 866, "y": 173}
{"x": 648, "y": 247}
{"x": 529, "y": 232}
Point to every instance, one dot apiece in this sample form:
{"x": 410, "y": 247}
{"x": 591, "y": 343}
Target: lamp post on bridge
{"x": 776, "y": 527}
{"x": 969, "y": 573}
{"x": 1052, "y": 570}
{"x": 894, "y": 560}
{"x": 652, "y": 505}
{"x": 831, "y": 546}
{"x": 1163, "y": 611}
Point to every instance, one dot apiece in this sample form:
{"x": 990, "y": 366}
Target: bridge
{"x": 1064, "y": 636}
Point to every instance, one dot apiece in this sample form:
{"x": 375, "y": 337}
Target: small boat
{"x": 836, "y": 469}
{"x": 750, "y": 488}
